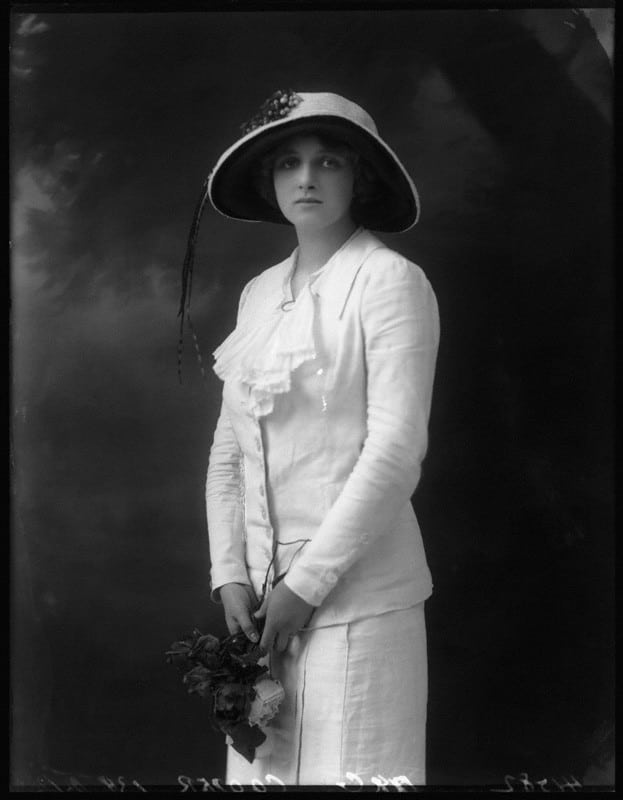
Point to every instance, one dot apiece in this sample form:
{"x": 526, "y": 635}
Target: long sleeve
{"x": 225, "y": 500}
{"x": 400, "y": 320}
{"x": 225, "y": 507}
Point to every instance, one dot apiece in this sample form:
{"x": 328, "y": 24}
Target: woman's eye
{"x": 286, "y": 163}
{"x": 330, "y": 161}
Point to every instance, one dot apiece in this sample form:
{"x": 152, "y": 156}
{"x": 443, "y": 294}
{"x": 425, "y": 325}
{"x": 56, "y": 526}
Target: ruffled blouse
{"x": 263, "y": 353}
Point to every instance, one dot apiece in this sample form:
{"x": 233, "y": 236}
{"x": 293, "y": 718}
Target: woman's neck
{"x": 317, "y": 247}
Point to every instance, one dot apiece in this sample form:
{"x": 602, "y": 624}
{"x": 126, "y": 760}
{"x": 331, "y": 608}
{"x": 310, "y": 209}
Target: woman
{"x": 318, "y": 448}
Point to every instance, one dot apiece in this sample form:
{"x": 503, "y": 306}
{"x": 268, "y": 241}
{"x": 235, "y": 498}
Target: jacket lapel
{"x": 335, "y": 283}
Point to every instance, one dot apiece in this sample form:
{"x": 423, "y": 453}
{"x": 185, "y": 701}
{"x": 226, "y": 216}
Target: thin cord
{"x": 294, "y": 541}
{"x": 187, "y": 280}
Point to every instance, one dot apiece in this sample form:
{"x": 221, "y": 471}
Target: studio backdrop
{"x": 504, "y": 119}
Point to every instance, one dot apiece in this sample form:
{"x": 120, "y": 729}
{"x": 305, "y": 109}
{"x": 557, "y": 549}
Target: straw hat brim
{"x": 233, "y": 193}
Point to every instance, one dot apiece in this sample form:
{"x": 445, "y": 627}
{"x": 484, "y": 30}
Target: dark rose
{"x": 198, "y": 681}
{"x": 205, "y": 644}
{"x": 210, "y": 660}
{"x": 206, "y": 650}
{"x": 242, "y": 651}
{"x": 232, "y": 702}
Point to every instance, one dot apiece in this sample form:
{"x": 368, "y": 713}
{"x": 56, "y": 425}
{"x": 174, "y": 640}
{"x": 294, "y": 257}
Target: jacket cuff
{"x": 309, "y": 584}
{"x": 233, "y": 575}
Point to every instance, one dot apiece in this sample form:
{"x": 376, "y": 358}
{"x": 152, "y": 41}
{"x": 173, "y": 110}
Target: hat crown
{"x": 334, "y": 105}
{"x": 288, "y": 105}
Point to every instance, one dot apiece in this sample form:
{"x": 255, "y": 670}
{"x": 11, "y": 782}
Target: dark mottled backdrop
{"x": 504, "y": 119}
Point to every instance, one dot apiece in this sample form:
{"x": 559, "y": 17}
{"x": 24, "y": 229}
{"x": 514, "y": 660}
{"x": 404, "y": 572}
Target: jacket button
{"x": 263, "y": 513}
{"x": 261, "y": 490}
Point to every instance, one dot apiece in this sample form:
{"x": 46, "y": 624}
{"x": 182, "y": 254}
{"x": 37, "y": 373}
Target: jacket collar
{"x": 334, "y": 281}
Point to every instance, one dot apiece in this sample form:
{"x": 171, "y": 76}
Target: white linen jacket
{"x": 322, "y": 432}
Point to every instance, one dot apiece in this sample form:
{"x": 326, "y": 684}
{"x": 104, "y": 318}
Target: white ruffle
{"x": 262, "y": 355}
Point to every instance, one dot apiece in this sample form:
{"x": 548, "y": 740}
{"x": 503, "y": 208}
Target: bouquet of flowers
{"x": 242, "y": 697}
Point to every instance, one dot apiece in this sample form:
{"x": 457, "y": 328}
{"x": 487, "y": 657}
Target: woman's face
{"x": 313, "y": 183}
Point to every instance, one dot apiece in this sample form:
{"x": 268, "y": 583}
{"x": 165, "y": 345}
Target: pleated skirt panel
{"x": 354, "y": 710}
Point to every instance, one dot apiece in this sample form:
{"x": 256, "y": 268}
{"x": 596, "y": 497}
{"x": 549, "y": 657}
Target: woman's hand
{"x": 285, "y": 613}
{"x": 239, "y": 601}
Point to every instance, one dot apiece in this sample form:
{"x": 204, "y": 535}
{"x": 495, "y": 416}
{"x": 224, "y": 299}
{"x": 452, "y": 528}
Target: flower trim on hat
{"x": 278, "y": 105}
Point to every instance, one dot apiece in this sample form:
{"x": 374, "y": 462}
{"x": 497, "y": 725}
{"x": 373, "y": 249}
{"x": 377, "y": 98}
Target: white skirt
{"x": 354, "y": 711}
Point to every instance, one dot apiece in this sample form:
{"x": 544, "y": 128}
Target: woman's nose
{"x": 305, "y": 176}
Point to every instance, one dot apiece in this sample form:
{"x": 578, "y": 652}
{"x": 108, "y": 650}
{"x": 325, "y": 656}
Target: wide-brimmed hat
{"x": 232, "y": 183}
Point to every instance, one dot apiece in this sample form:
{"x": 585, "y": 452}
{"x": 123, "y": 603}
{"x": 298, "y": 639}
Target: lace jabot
{"x": 263, "y": 352}
{"x": 263, "y": 355}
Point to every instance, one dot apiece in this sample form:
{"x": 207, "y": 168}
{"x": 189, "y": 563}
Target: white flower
{"x": 268, "y": 696}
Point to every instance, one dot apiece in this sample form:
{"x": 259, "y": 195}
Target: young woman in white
{"x": 327, "y": 384}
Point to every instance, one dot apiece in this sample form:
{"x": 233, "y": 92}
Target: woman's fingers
{"x": 268, "y": 636}
{"x": 261, "y": 611}
{"x": 238, "y": 600}
{"x": 285, "y": 613}
{"x": 232, "y": 624}
{"x": 274, "y": 638}
{"x": 247, "y": 624}
{"x": 242, "y": 622}
{"x": 282, "y": 641}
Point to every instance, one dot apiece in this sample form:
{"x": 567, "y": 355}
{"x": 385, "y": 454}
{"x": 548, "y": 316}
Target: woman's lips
{"x": 307, "y": 200}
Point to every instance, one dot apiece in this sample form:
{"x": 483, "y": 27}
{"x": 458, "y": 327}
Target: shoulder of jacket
{"x": 384, "y": 265}
{"x": 266, "y": 284}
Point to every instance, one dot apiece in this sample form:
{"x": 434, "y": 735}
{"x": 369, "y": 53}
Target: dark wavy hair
{"x": 366, "y": 187}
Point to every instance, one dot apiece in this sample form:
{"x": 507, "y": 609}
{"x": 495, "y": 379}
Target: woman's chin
{"x": 313, "y": 219}
{"x": 307, "y": 213}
